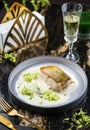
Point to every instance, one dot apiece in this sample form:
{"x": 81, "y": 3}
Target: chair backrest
{"x": 14, "y": 11}
{"x": 27, "y": 30}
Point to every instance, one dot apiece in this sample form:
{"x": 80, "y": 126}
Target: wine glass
{"x": 71, "y": 18}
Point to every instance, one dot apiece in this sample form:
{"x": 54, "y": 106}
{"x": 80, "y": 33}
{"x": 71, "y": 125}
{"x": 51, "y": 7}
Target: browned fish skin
{"x": 57, "y": 74}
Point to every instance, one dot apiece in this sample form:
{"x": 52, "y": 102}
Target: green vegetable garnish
{"x": 49, "y": 95}
{"x": 28, "y": 92}
{"x": 30, "y": 76}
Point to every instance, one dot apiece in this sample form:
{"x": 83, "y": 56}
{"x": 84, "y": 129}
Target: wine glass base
{"x": 73, "y": 57}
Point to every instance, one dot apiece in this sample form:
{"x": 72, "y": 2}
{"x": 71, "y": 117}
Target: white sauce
{"x": 36, "y": 101}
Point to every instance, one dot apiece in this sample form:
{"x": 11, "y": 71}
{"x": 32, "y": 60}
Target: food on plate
{"x": 58, "y": 75}
{"x": 49, "y": 95}
{"x": 28, "y": 92}
{"x": 44, "y": 85}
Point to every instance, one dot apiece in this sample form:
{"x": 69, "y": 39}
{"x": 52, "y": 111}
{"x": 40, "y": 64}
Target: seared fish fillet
{"x": 57, "y": 74}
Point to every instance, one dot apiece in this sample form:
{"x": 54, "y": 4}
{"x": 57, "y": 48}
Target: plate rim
{"x": 53, "y": 58}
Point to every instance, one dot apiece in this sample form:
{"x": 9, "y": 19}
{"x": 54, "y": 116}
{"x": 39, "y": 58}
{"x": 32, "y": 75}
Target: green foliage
{"x": 10, "y": 56}
{"x": 79, "y": 120}
{"x": 6, "y": 5}
{"x": 39, "y": 3}
{"x": 24, "y": 2}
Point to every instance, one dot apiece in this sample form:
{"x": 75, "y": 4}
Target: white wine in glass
{"x": 71, "y": 18}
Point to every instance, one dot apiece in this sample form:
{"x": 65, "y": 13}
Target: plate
{"x": 72, "y": 69}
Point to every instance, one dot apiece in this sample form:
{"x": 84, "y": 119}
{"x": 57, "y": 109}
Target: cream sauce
{"x": 36, "y": 100}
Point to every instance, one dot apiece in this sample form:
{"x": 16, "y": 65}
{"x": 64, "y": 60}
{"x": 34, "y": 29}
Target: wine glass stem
{"x": 70, "y": 49}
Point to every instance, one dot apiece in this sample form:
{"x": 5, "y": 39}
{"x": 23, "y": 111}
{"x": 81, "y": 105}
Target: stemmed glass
{"x": 71, "y": 18}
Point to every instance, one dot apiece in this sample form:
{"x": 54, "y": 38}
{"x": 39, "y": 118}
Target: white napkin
{"x": 5, "y": 28}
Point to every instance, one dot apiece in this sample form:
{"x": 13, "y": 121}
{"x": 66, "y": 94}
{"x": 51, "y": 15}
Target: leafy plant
{"x": 8, "y": 56}
{"x": 79, "y": 120}
{"x": 39, "y": 3}
{"x": 6, "y": 5}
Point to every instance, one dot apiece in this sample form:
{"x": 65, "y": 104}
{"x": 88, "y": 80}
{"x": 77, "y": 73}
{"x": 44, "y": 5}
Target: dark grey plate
{"x": 75, "y": 97}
